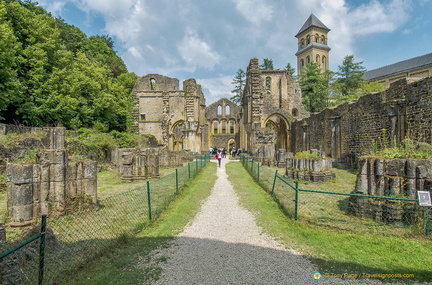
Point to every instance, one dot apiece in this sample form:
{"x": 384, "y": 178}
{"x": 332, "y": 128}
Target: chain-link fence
{"x": 72, "y": 240}
{"x": 333, "y": 206}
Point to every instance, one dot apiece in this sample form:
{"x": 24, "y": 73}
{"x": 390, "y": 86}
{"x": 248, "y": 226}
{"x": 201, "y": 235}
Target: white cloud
{"x": 54, "y": 7}
{"x": 216, "y": 88}
{"x": 255, "y": 11}
{"x": 196, "y": 52}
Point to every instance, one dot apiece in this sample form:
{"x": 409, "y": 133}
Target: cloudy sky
{"x": 209, "y": 40}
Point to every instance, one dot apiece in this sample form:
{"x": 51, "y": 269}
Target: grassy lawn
{"x": 335, "y": 251}
{"x": 131, "y": 263}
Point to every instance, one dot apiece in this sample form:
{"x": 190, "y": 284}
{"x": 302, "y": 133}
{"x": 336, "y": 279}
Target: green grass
{"x": 334, "y": 251}
{"x": 131, "y": 263}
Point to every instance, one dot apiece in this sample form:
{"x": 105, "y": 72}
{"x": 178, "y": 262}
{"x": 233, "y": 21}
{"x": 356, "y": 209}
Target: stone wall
{"x": 48, "y": 186}
{"x": 347, "y": 131}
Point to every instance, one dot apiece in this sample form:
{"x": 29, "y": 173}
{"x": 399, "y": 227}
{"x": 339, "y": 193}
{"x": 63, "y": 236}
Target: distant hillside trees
{"x": 52, "y": 74}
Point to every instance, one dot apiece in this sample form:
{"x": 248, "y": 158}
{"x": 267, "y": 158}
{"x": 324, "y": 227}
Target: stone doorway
{"x": 177, "y": 136}
{"x": 278, "y": 125}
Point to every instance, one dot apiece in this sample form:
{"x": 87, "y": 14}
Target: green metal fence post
{"x": 177, "y": 182}
{"x": 258, "y": 172}
{"x": 196, "y": 167}
{"x": 274, "y": 182}
{"x": 149, "y": 201}
{"x": 42, "y": 249}
{"x": 427, "y": 214}
{"x": 296, "y": 201}
{"x": 252, "y": 169}
{"x": 189, "y": 173}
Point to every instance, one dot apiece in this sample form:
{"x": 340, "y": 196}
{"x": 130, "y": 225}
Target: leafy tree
{"x": 239, "y": 81}
{"x": 289, "y": 68}
{"x": 267, "y": 64}
{"x": 349, "y": 76}
{"x": 314, "y": 86}
{"x": 10, "y": 87}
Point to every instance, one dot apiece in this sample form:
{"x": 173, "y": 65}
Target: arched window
{"x": 152, "y": 84}
{"x": 224, "y": 127}
{"x": 227, "y": 110}
{"x": 308, "y": 39}
{"x": 294, "y": 112}
{"x": 268, "y": 84}
{"x": 231, "y": 126}
{"x": 317, "y": 38}
{"x": 318, "y": 59}
{"x": 215, "y": 126}
{"x": 302, "y": 43}
{"x": 323, "y": 39}
{"x": 219, "y": 110}
{"x": 324, "y": 62}
{"x": 302, "y": 62}
{"x": 307, "y": 59}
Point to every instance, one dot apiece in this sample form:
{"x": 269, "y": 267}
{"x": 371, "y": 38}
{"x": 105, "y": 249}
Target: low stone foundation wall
{"x": 316, "y": 170}
{"x": 48, "y": 186}
{"x": 138, "y": 163}
{"x": 390, "y": 177}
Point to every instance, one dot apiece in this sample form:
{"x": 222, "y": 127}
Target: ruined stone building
{"x": 272, "y": 120}
{"x": 180, "y": 120}
{"x": 271, "y": 101}
{"x": 175, "y": 117}
{"x": 224, "y": 120}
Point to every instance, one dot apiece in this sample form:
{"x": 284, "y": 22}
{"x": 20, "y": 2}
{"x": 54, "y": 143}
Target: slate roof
{"x": 399, "y": 67}
{"x": 312, "y": 21}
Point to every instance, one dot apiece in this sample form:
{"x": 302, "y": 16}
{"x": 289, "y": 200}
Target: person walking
{"x": 218, "y": 156}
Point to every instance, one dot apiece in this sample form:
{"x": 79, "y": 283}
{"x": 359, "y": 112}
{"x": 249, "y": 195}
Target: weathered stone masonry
{"x": 347, "y": 131}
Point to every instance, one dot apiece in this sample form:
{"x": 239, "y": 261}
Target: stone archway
{"x": 279, "y": 125}
{"x": 177, "y": 135}
{"x": 231, "y": 143}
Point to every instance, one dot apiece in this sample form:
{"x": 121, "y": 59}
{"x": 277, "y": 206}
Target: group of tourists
{"x": 220, "y": 153}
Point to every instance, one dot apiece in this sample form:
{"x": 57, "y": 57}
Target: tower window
{"x": 308, "y": 40}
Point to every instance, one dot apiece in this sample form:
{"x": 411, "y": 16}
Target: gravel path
{"x": 224, "y": 245}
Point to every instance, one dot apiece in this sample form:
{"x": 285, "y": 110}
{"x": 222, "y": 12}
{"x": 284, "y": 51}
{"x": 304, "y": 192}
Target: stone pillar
{"x": 19, "y": 180}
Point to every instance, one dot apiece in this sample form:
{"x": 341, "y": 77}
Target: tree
{"x": 267, "y": 64}
{"x": 314, "y": 86}
{"x": 349, "y": 76}
{"x": 239, "y": 81}
{"x": 289, "y": 68}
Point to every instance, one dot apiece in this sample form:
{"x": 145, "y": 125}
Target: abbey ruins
{"x": 271, "y": 120}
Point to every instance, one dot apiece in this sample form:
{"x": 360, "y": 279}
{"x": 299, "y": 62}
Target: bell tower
{"x": 312, "y": 44}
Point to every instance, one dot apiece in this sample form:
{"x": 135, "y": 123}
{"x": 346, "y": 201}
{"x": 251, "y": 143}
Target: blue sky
{"x": 210, "y": 40}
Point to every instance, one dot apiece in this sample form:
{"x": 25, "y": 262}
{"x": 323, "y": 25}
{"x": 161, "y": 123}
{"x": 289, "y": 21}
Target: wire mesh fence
{"x": 332, "y": 205}
{"x": 72, "y": 240}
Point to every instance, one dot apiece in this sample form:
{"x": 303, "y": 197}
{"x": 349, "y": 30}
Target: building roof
{"x": 399, "y": 67}
{"x": 312, "y": 21}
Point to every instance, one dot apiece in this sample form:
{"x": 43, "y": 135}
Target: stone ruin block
{"x": 390, "y": 177}
{"x": 35, "y": 189}
{"x": 317, "y": 170}
{"x": 138, "y": 164}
